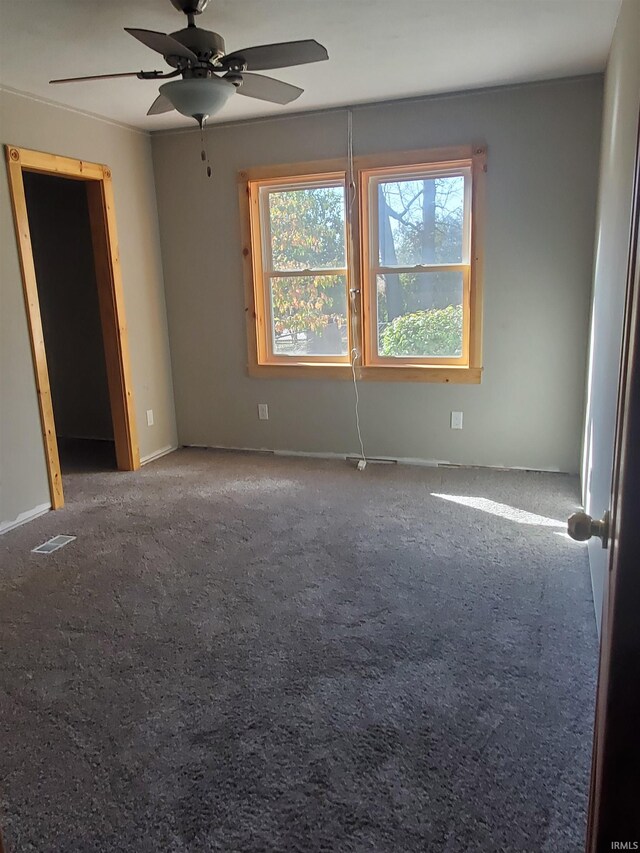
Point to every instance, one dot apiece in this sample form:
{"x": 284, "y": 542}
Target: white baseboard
{"x": 430, "y": 463}
{"x": 312, "y": 455}
{"x": 398, "y": 460}
{"x": 386, "y": 460}
{"x": 158, "y": 453}
{"x": 24, "y": 517}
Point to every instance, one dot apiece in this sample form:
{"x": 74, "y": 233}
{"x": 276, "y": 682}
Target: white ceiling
{"x": 378, "y": 49}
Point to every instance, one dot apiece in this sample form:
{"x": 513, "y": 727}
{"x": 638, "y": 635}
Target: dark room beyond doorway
{"x": 68, "y": 296}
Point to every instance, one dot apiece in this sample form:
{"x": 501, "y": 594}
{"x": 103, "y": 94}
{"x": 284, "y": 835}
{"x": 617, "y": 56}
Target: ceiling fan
{"x": 208, "y": 75}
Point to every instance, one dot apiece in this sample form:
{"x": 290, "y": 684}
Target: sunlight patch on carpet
{"x": 511, "y": 513}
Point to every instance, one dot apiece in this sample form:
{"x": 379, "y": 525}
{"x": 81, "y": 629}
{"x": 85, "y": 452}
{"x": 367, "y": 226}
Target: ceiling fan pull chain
{"x": 204, "y": 156}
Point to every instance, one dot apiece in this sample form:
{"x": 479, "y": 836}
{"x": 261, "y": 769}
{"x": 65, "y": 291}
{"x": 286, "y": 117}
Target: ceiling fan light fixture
{"x": 198, "y": 96}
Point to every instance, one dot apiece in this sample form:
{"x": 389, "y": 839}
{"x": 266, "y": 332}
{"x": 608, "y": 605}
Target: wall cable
{"x": 363, "y": 460}
{"x": 350, "y": 179}
{"x": 353, "y": 291}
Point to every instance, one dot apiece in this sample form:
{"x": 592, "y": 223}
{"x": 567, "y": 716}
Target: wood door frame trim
{"x": 111, "y": 297}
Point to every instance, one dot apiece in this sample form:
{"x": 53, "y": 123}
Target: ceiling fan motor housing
{"x": 207, "y": 46}
{"x": 190, "y": 7}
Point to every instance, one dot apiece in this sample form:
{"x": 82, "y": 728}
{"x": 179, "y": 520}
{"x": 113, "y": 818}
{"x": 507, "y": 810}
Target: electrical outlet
{"x": 456, "y": 420}
{"x": 263, "y": 411}
{"x": 149, "y": 417}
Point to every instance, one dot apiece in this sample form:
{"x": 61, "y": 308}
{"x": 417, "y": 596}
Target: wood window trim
{"x": 369, "y": 237}
{"x": 101, "y": 207}
{"x": 262, "y": 274}
{"x": 402, "y": 370}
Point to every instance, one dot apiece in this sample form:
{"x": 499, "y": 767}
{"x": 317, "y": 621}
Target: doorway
{"x": 65, "y": 227}
{"x": 68, "y": 297}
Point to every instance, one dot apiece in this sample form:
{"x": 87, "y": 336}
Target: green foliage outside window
{"x": 437, "y": 332}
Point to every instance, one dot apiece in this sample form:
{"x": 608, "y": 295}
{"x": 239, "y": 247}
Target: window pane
{"x": 307, "y": 228}
{"x": 421, "y": 221}
{"x": 420, "y": 314}
{"x": 309, "y": 315}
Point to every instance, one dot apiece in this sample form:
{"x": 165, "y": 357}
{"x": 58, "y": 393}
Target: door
{"x": 614, "y": 801}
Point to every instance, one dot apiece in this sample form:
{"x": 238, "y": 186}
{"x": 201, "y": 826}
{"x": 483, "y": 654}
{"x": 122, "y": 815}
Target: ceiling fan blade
{"x": 268, "y": 89}
{"x": 161, "y": 105}
{"x": 96, "y": 77}
{"x": 162, "y": 43}
{"x": 281, "y": 55}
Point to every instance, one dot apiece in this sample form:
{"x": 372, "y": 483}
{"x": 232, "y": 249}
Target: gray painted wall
{"x": 68, "y": 296}
{"x": 619, "y": 134}
{"x": 543, "y": 144}
{"x": 32, "y": 124}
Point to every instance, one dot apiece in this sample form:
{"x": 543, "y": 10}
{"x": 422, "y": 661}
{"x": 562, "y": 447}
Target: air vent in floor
{"x": 53, "y": 544}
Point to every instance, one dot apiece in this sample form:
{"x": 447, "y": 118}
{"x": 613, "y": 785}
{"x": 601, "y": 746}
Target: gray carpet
{"x": 251, "y": 653}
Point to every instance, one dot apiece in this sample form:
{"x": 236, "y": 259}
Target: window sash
{"x": 427, "y": 173}
{"x": 280, "y": 358}
{"x": 370, "y": 328}
{"x": 370, "y": 230}
{"x": 306, "y": 273}
{"x": 420, "y": 268}
{"x": 268, "y": 272}
{"x": 300, "y": 184}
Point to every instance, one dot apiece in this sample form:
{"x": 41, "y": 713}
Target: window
{"x": 406, "y": 305}
{"x": 303, "y": 271}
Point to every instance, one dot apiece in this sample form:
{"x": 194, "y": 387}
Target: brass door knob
{"x": 582, "y": 527}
